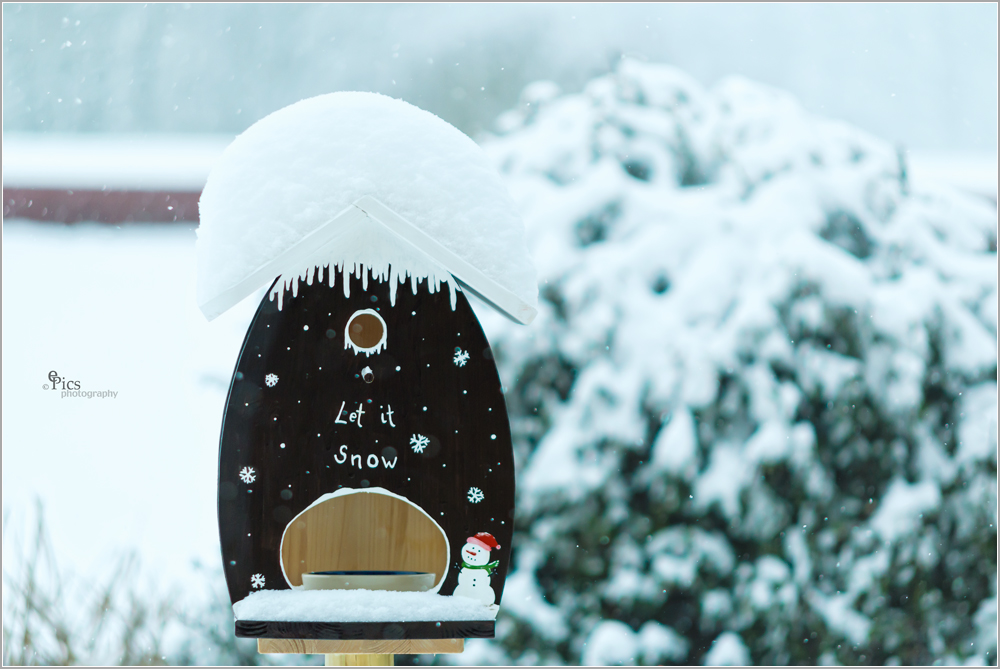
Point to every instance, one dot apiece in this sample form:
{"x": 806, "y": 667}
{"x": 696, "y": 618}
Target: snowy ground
{"x": 113, "y": 309}
{"x": 121, "y": 161}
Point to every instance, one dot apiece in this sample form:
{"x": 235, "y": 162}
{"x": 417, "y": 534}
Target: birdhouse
{"x": 366, "y": 476}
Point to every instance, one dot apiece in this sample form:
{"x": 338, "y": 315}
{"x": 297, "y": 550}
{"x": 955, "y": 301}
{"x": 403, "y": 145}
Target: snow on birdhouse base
{"x": 358, "y": 606}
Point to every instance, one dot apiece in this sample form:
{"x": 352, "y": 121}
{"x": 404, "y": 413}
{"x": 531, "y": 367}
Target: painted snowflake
{"x": 257, "y": 580}
{"x": 271, "y": 380}
{"x": 476, "y": 495}
{"x": 419, "y": 443}
{"x": 247, "y": 475}
{"x": 461, "y": 357}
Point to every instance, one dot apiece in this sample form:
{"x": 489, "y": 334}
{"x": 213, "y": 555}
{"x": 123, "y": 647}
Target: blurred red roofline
{"x": 102, "y": 206}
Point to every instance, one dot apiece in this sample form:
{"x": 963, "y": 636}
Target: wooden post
{"x": 365, "y": 660}
{"x": 361, "y": 652}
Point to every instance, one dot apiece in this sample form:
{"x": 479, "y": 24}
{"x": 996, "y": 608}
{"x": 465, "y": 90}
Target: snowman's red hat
{"x": 484, "y": 540}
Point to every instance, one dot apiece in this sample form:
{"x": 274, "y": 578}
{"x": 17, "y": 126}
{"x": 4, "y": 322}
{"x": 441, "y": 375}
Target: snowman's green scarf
{"x": 490, "y": 567}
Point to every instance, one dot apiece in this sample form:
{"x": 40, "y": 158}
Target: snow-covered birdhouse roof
{"x": 360, "y": 181}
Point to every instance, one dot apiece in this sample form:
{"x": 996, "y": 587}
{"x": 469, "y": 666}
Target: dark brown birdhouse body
{"x": 362, "y": 434}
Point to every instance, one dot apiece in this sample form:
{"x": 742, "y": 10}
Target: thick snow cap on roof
{"x": 293, "y": 172}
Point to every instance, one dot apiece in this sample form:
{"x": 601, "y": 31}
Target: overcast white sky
{"x": 921, "y": 75}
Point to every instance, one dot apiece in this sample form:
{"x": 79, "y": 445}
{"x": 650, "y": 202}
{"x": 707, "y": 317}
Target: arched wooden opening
{"x": 363, "y": 530}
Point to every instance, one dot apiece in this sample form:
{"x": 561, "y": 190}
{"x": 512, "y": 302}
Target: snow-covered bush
{"x": 756, "y": 417}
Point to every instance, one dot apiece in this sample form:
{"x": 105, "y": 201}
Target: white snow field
{"x": 123, "y": 161}
{"x": 357, "y": 606}
{"x": 293, "y": 171}
{"x": 113, "y": 308}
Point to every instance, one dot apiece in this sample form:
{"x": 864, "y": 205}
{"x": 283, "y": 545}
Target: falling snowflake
{"x": 461, "y": 357}
{"x": 257, "y": 580}
{"x": 271, "y": 380}
{"x": 248, "y": 475}
{"x": 476, "y": 495}
{"x": 419, "y": 443}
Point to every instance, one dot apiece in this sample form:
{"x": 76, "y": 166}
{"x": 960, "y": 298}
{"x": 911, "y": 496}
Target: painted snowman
{"x": 474, "y": 579}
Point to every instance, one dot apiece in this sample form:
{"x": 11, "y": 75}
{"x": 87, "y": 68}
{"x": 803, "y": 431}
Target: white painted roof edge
{"x": 473, "y": 280}
{"x": 311, "y": 250}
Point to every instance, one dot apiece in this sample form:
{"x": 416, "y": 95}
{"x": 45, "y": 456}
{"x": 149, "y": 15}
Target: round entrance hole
{"x": 365, "y": 332}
